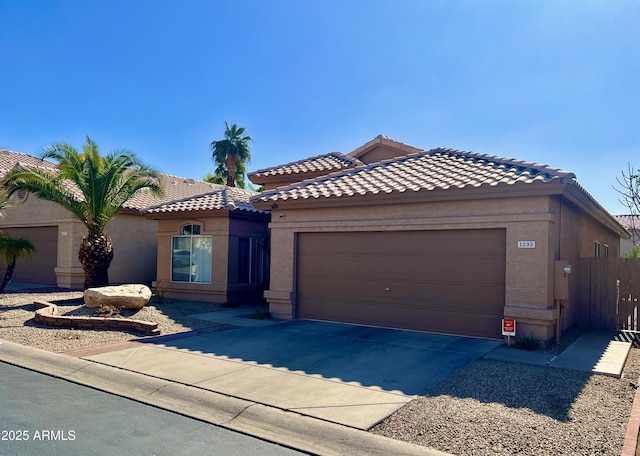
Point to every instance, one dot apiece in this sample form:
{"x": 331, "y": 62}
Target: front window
{"x": 191, "y": 256}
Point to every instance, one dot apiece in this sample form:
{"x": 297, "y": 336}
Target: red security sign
{"x": 508, "y": 327}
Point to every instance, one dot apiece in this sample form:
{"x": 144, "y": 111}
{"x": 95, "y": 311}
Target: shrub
{"x": 529, "y": 342}
{"x": 633, "y": 253}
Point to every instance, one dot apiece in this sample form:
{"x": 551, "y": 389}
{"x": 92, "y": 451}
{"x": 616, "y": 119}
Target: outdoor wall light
{"x": 567, "y": 268}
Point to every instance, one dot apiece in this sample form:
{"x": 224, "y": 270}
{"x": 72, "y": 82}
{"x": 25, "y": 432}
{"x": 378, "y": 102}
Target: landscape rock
{"x": 134, "y": 296}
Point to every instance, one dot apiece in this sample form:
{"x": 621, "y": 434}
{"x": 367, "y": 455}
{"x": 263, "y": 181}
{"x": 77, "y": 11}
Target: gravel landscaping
{"x": 17, "y": 320}
{"x": 487, "y": 408}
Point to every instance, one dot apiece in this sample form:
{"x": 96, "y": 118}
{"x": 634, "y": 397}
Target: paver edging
{"x": 633, "y": 428}
{"x": 46, "y": 313}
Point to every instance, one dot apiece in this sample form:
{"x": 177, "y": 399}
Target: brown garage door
{"x": 439, "y": 281}
{"x": 40, "y": 268}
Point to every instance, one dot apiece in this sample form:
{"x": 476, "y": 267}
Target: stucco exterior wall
{"x": 35, "y": 212}
{"x": 578, "y": 233}
{"x": 135, "y": 247}
{"x": 561, "y": 230}
{"x": 224, "y": 231}
{"x": 529, "y": 276}
{"x": 626, "y": 245}
{"x": 380, "y": 152}
{"x": 133, "y": 238}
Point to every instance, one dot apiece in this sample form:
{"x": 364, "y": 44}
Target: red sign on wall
{"x": 508, "y": 327}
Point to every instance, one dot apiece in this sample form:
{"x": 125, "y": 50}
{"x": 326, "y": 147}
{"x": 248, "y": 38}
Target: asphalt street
{"x": 43, "y": 415}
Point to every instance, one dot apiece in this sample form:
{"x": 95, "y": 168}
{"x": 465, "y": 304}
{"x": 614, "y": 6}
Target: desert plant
{"x": 528, "y": 342}
{"x": 260, "y": 315}
{"x": 93, "y": 188}
{"x": 11, "y": 249}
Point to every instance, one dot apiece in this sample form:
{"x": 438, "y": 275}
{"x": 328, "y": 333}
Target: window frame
{"x": 191, "y": 231}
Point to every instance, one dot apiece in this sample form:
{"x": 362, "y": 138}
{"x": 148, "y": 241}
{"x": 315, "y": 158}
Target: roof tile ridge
{"x": 242, "y": 190}
{"x": 538, "y": 167}
{"x": 186, "y": 198}
{"x": 386, "y": 140}
{"x": 324, "y": 178}
{"x": 294, "y": 162}
{"x": 9, "y": 151}
{"x": 387, "y": 161}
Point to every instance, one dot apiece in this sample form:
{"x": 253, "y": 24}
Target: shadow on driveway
{"x": 389, "y": 360}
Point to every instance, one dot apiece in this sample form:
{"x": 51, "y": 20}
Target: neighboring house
{"x": 143, "y": 247}
{"x": 435, "y": 240}
{"x": 632, "y": 225}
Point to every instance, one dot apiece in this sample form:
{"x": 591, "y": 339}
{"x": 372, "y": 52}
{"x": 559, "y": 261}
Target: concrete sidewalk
{"x": 595, "y": 351}
{"x": 272, "y": 424}
{"x": 346, "y": 374}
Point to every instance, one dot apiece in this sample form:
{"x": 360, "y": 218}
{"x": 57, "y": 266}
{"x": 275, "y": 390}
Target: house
{"x": 149, "y": 242}
{"x": 632, "y": 224}
{"x": 434, "y": 240}
{"x": 212, "y": 247}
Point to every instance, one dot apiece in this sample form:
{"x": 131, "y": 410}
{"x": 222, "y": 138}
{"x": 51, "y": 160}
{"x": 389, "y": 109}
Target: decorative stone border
{"x": 633, "y": 428}
{"x": 47, "y": 314}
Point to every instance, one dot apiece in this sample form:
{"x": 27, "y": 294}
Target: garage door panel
{"x": 473, "y": 270}
{"x": 347, "y": 290}
{"x": 430, "y": 318}
{"x": 40, "y": 268}
{"x": 444, "y": 281}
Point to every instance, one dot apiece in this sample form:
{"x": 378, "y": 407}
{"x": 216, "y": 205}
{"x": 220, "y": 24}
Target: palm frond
{"x": 92, "y": 187}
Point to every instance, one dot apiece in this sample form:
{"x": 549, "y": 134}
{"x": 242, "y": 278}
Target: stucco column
{"x": 529, "y": 279}
{"x": 280, "y": 294}
{"x": 69, "y": 272}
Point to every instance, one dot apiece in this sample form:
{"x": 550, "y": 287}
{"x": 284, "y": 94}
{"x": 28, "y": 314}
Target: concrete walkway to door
{"x": 346, "y": 374}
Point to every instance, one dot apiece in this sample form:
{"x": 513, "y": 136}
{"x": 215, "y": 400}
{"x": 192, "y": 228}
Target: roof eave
{"x": 416, "y": 196}
{"x": 579, "y": 196}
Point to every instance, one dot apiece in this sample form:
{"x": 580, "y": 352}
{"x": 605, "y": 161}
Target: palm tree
{"x": 11, "y": 249}
{"x": 220, "y": 175}
{"x": 94, "y": 189}
{"x": 232, "y": 150}
{"x": 4, "y": 202}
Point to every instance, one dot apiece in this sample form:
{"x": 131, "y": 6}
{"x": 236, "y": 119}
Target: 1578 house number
{"x": 44, "y": 434}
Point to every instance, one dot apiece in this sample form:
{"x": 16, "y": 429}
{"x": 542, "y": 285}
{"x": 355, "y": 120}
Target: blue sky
{"x": 548, "y": 81}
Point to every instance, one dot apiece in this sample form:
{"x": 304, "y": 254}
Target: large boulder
{"x": 121, "y": 296}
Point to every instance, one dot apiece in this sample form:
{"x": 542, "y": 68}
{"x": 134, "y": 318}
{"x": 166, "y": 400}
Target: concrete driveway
{"x": 347, "y": 374}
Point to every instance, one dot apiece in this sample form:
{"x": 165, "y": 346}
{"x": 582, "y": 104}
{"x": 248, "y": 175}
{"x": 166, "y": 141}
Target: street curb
{"x": 282, "y": 427}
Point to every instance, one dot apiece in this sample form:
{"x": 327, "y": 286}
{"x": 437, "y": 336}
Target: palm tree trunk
{"x": 231, "y": 171}
{"x": 7, "y": 275}
{"x": 96, "y": 253}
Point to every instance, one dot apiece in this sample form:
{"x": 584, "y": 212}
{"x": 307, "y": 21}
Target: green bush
{"x": 633, "y": 253}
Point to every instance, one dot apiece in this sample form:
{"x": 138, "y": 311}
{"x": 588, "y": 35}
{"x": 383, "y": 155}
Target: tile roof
{"x": 175, "y": 188}
{"x": 227, "y": 198}
{"x": 9, "y": 159}
{"x": 331, "y": 162}
{"x": 402, "y": 148}
{"x": 629, "y": 222}
{"x": 426, "y": 170}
